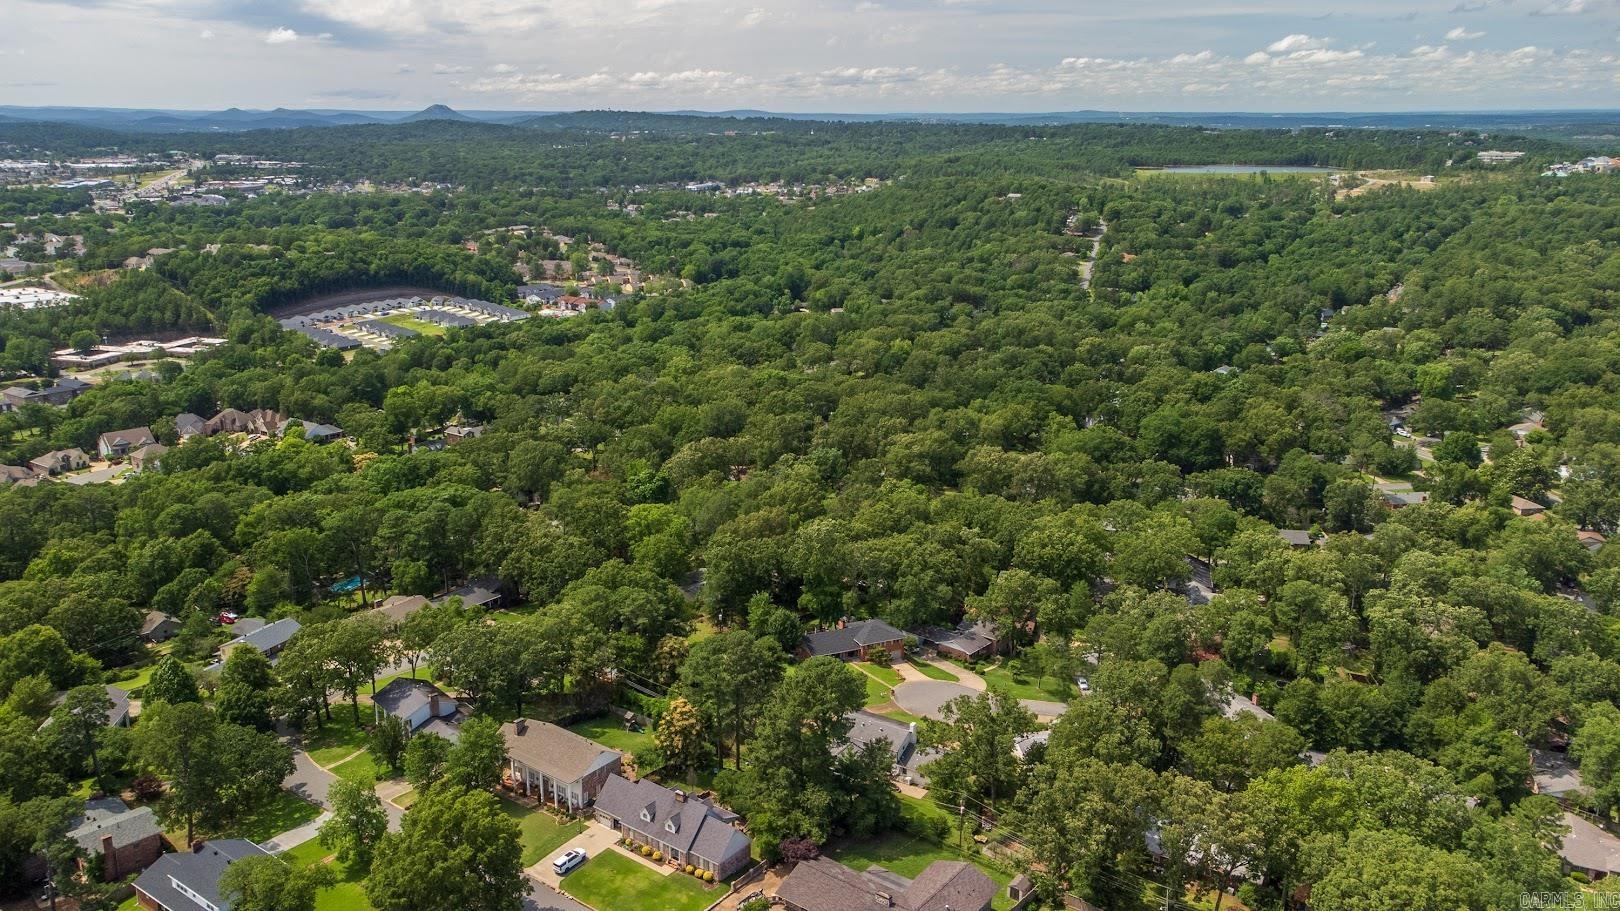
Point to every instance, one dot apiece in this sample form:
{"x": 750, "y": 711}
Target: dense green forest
{"x": 906, "y": 404}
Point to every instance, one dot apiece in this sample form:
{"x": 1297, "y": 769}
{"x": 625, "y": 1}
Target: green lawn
{"x": 612, "y": 882}
{"x": 1049, "y": 689}
{"x": 608, "y": 730}
{"x": 935, "y": 673}
{"x": 360, "y": 768}
{"x": 404, "y": 801}
{"x": 287, "y": 811}
{"x": 903, "y": 717}
{"x": 410, "y": 322}
{"x": 347, "y": 894}
{"x": 540, "y": 832}
{"x": 134, "y": 679}
{"x": 337, "y": 739}
{"x": 908, "y": 856}
{"x": 887, "y": 675}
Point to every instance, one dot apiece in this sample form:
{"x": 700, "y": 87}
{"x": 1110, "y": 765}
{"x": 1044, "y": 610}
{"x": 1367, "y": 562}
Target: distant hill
{"x": 436, "y": 112}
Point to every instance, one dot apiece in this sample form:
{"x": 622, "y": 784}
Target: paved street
{"x": 308, "y": 780}
{"x": 545, "y": 898}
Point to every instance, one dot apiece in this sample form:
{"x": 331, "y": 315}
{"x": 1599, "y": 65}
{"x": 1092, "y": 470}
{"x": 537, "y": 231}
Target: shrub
{"x": 797, "y": 849}
{"x": 147, "y": 787}
{"x": 646, "y": 850}
{"x": 708, "y": 876}
{"x": 657, "y": 855}
{"x": 687, "y": 869}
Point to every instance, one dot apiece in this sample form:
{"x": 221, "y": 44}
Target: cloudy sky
{"x": 814, "y": 55}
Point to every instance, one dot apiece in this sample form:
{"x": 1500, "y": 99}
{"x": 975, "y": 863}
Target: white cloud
{"x": 404, "y": 68}
{"x": 280, "y": 35}
{"x": 1565, "y": 8}
{"x": 449, "y": 69}
{"x": 206, "y": 34}
{"x": 1200, "y": 57}
{"x": 1291, "y": 43}
{"x": 1461, "y": 33}
{"x": 1257, "y": 58}
{"x": 753, "y": 18}
{"x": 503, "y": 68}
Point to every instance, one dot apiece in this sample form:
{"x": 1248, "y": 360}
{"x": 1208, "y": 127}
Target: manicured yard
{"x": 612, "y": 882}
{"x": 888, "y": 675}
{"x": 908, "y": 856}
{"x": 877, "y": 692}
{"x": 608, "y": 730}
{"x": 287, "y": 811}
{"x": 347, "y": 894}
{"x": 1050, "y": 689}
{"x": 404, "y": 801}
{"x": 933, "y": 672}
{"x": 903, "y": 717}
{"x": 360, "y": 768}
{"x": 539, "y": 831}
{"x": 336, "y": 739}
{"x": 407, "y": 322}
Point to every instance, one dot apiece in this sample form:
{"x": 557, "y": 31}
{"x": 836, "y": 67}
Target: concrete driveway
{"x": 308, "y": 780}
{"x": 928, "y": 697}
{"x": 596, "y": 839}
{"x": 545, "y": 898}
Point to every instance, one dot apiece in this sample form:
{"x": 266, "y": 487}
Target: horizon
{"x": 812, "y": 56}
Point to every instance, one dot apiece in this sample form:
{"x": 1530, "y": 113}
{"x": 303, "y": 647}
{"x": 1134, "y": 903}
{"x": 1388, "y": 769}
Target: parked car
{"x": 226, "y": 618}
{"x": 570, "y": 859}
{"x": 1083, "y": 684}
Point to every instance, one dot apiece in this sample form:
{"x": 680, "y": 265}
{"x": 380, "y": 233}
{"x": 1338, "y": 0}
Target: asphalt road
{"x": 544, "y": 898}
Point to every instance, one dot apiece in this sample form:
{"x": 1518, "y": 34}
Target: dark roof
{"x": 700, "y": 828}
{"x": 403, "y": 696}
{"x": 969, "y": 638}
{"x": 851, "y": 637}
{"x": 131, "y": 438}
{"x": 199, "y": 872}
{"x": 826, "y": 885}
{"x": 398, "y": 607}
{"x": 154, "y": 620}
{"x": 112, "y": 817}
{"x": 476, "y": 593}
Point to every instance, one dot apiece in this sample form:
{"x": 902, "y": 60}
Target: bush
{"x": 708, "y": 876}
{"x": 687, "y": 869}
{"x": 646, "y": 851}
{"x": 756, "y": 904}
{"x": 926, "y": 826}
{"x": 657, "y": 856}
{"x": 147, "y": 787}
{"x": 797, "y": 849}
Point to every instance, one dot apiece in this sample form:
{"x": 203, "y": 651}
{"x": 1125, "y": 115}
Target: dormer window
{"x": 647, "y": 813}
{"x": 673, "y": 824}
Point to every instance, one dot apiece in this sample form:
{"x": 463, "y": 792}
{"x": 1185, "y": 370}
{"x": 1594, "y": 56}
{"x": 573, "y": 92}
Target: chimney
{"x": 433, "y": 705}
{"x": 522, "y": 725}
{"x": 109, "y": 859}
{"x": 884, "y": 900}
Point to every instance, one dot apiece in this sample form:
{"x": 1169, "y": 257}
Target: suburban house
{"x": 148, "y": 457}
{"x": 944, "y": 885}
{"x": 1591, "y": 540}
{"x": 1026, "y": 744}
{"x": 396, "y": 608}
{"x": 686, "y": 829}
{"x": 262, "y": 421}
{"x": 1399, "y": 499}
{"x": 16, "y": 474}
{"x": 60, "y": 460}
{"x": 483, "y": 592}
{"x": 1296, "y": 537}
{"x": 859, "y": 640}
{"x": 61, "y": 392}
{"x": 869, "y": 727}
{"x": 1524, "y": 507}
{"x": 1552, "y": 774}
{"x": 116, "y": 444}
{"x": 159, "y": 627}
{"x": 127, "y": 841}
{"x": 190, "y": 882}
{"x": 313, "y": 432}
{"x": 188, "y": 425}
{"x": 269, "y": 639}
{"x": 456, "y": 433}
{"x": 967, "y": 641}
{"x": 557, "y": 765}
{"x": 420, "y": 704}
{"x": 1589, "y": 848}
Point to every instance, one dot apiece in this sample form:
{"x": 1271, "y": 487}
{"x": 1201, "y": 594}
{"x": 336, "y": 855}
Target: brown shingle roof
{"x": 557, "y": 752}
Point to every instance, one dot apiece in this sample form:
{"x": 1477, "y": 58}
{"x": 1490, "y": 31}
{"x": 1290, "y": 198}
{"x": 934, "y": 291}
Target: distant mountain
{"x": 436, "y": 112}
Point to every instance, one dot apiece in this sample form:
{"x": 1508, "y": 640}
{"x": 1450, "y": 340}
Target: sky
{"x": 814, "y": 55}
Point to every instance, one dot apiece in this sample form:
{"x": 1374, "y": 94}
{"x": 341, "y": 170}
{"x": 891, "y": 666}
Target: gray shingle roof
{"x": 867, "y": 727}
{"x": 199, "y": 872}
{"x": 853, "y": 636}
{"x": 113, "y": 817}
{"x": 700, "y": 828}
{"x": 404, "y": 696}
{"x": 826, "y": 885}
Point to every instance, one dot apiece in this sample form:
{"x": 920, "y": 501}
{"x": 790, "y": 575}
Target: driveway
{"x": 596, "y": 839}
{"x": 545, "y": 898}
{"x": 292, "y": 838}
{"x": 928, "y": 697}
{"x": 308, "y": 780}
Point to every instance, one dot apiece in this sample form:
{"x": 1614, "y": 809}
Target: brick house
{"x": 557, "y": 765}
{"x": 859, "y": 640}
{"x": 686, "y": 829}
